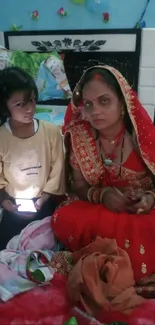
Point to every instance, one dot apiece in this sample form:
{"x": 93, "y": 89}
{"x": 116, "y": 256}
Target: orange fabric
{"x": 102, "y": 279}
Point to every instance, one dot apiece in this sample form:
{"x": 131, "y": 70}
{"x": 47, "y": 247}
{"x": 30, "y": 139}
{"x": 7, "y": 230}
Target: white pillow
{"x": 4, "y": 57}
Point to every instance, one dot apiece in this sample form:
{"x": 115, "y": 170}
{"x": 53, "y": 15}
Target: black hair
{"x": 110, "y": 80}
{"x": 14, "y": 79}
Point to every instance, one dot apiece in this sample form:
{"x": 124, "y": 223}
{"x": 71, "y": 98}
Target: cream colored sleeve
{"x": 3, "y": 181}
{"x": 56, "y": 181}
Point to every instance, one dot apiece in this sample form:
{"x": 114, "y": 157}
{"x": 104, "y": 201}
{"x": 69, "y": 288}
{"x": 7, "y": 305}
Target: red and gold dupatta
{"x": 82, "y": 138}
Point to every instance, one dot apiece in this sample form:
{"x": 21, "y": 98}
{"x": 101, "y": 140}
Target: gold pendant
{"x": 112, "y": 142}
{"x": 127, "y": 243}
{"x": 143, "y": 268}
{"x": 142, "y": 249}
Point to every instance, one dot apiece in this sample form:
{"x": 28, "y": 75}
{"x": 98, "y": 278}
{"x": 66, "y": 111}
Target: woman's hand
{"x": 9, "y": 206}
{"x": 115, "y": 201}
{"x": 40, "y": 202}
{"x": 144, "y": 205}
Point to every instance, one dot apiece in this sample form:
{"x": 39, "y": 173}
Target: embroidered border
{"x": 85, "y": 150}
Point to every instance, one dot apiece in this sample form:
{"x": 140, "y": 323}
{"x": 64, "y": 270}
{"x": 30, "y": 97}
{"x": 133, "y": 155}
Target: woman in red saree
{"x": 110, "y": 149}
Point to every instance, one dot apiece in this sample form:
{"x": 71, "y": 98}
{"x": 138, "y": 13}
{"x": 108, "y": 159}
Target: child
{"x": 31, "y": 155}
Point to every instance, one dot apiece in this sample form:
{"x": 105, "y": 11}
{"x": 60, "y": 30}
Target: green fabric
{"x": 71, "y": 321}
{"x": 38, "y": 276}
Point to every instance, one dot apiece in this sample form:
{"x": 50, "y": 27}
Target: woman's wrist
{"x": 102, "y": 195}
{"x": 96, "y": 195}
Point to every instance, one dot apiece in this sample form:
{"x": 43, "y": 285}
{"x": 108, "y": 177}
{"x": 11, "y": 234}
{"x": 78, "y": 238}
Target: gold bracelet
{"x": 103, "y": 192}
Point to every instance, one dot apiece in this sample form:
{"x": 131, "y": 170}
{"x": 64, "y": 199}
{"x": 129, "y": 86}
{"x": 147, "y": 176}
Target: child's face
{"x": 21, "y": 110}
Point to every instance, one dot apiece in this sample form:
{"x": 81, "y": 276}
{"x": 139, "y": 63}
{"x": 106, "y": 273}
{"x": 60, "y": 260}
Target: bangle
{"x": 93, "y": 194}
{"x": 89, "y": 193}
{"x": 103, "y": 192}
{"x": 96, "y": 195}
{"x": 153, "y": 194}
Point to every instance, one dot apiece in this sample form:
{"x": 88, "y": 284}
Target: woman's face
{"x": 102, "y": 107}
{"x": 20, "y": 110}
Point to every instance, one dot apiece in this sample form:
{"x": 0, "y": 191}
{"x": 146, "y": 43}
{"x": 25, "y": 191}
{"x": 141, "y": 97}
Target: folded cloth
{"x": 25, "y": 262}
{"x": 37, "y": 235}
{"x": 103, "y": 279}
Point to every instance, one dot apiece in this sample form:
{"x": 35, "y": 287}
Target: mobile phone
{"x": 25, "y": 205}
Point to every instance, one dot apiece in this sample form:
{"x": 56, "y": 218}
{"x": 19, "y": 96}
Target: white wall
{"x": 146, "y": 88}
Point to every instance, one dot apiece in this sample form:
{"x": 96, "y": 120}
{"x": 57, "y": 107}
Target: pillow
{"x": 47, "y": 69}
{"x": 51, "y": 80}
{"x": 51, "y": 114}
{"x": 4, "y": 57}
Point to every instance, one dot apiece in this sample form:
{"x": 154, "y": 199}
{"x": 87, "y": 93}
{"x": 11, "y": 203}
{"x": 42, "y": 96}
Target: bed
{"x": 48, "y": 304}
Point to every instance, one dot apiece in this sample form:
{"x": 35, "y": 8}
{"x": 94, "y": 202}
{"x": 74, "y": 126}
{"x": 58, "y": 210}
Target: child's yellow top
{"x": 34, "y": 165}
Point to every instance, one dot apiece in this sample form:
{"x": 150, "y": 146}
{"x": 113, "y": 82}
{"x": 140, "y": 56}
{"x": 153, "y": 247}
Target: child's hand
{"x": 9, "y": 206}
{"x": 39, "y": 203}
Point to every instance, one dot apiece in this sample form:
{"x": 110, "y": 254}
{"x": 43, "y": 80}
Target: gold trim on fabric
{"x": 84, "y": 148}
{"x": 127, "y": 243}
{"x": 142, "y": 250}
{"x": 143, "y": 268}
{"x": 87, "y": 159}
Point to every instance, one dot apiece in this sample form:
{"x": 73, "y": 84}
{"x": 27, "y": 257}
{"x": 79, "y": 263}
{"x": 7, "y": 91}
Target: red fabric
{"x": 69, "y": 116}
{"x": 44, "y": 305}
{"x": 133, "y": 162}
{"x": 80, "y": 222}
{"x": 49, "y": 305}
